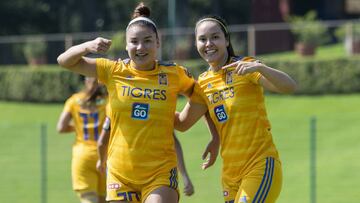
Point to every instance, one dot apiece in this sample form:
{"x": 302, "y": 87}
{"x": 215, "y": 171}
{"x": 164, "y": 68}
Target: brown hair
{"x": 143, "y": 11}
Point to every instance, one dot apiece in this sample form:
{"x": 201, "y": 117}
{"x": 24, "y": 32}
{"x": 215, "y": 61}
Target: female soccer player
{"x": 233, "y": 95}
{"x": 84, "y": 112}
{"x": 141, "y": 164}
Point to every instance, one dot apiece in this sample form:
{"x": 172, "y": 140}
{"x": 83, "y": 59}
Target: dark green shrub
{"x": 42, "y": 84}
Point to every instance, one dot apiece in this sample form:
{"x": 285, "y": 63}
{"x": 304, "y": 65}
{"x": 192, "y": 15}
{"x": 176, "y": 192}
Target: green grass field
{"x": 338, "y": 151}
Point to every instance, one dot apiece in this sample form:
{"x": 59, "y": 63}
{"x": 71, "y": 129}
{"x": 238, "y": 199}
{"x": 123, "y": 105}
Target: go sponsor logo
{"x": 220, "y": 113}
{"x": 140, "y": 111}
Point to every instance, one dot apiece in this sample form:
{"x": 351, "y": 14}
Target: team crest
{"x": 225, "y": 193}
{"x": 209, "y": 85}
{"x": 163, "y": 80}
{"x": 229, "y": 77}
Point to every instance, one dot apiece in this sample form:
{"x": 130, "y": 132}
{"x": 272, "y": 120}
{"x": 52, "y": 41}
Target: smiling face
{"x": 142, "y": 45}
{"x": 211, "y": 43}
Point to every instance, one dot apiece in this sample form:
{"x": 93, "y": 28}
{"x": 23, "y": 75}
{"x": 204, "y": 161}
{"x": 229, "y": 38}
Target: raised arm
{"x": 74, "y": 58}
{"x": 102, "y": 145}
{"x": 63, "y": 124}
{"x": 191, "y": 113}
{"x": 188, "y": 186}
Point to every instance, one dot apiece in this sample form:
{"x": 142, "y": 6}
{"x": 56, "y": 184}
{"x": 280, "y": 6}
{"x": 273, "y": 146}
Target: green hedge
{"x": 54, "y": 84}
{"x": 335, "y": 76}
{"x": 41, "y": 84}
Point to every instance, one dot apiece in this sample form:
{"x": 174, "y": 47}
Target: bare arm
{"x": 74, "y": 58}
{"x": 188, "y": 186}
{"x": 63, "y": 124}
{"x": 102, "y": 145}
{"x": 191, "y": 113}
{"x": 213, "y": 146}
{"x": 273, "y": 80}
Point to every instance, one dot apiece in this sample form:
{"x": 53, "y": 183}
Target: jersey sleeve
{"x": 68, "y": 105}
{"x": 186, "y": 81}
{"x": 254, "y": 77}
{"x": 104, "y": 68}
{"x": 198, "y": 96}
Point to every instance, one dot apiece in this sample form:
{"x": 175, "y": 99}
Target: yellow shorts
{"x": 262, "y": 184}
{"x": 85, "y": 177}
{"x": 119, "y": 189}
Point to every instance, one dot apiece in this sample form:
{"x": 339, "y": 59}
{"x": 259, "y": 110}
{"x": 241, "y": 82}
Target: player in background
{"x": 84, "y": 113}
{"x": 231, "y": 90}
{"x": 102, "y": 152}
{"x": 141, "y": 159}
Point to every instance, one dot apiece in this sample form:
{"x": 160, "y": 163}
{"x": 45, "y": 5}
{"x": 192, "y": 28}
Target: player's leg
{"x": 88, "y": 197}
{"x": 262, "y": 184}
{"x": 163, "y": 194}
{"x": 101, "y": 187}
{"x": 120, "y": 191}
{"x": 164, "y": 189}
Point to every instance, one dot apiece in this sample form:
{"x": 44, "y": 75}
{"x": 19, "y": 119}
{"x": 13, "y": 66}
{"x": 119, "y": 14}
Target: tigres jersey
{"x": 236, "y": 106}
{"x": 143, "y": 105}
{"x": 87, "y": 123}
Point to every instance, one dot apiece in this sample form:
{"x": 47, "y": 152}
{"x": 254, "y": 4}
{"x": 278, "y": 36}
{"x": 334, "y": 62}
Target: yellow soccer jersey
{"x": 143, "y": 103}
{"x": 87, "y": 123}
{"x": 236, "y": 106}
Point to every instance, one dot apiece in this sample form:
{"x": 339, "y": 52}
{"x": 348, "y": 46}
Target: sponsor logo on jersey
{"x": 163, "y": 80}
{"x": 220, "y": 113}
{"x": 113, "y": 186}
{"x": 140, "y": 111}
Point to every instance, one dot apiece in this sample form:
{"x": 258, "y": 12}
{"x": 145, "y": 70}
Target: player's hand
{"x": 244, "y": 67}
{"x": 188, "y": 187}
{"x": 101, "y": 166}
{"x": 98, "y": 46}
{"x": 212, "y": 149}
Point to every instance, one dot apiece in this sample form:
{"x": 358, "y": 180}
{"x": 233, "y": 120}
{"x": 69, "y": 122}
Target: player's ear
{"x": 157, "y": 43}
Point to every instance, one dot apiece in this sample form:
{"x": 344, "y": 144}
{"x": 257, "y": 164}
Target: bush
{"x": 35, "y": 51}
{"x": 308, "y": 29}
{"x": 43, "y": 84}
{"x": 53, "y": 84}
{"x": 335, "y": 76}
